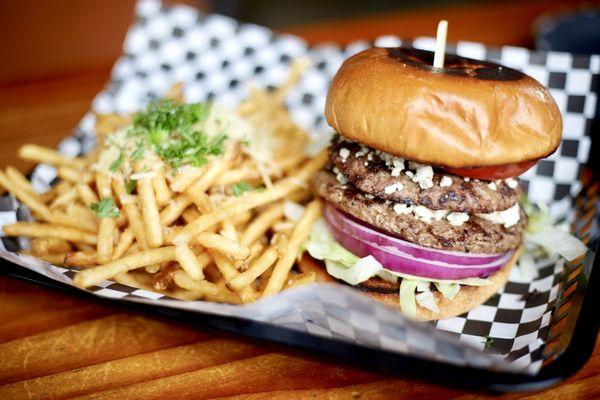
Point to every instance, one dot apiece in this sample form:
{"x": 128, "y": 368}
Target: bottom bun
{"x": 386, "y": 292}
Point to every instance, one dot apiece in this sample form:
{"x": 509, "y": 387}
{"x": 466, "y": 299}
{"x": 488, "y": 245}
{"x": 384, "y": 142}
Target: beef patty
{"x": 369, "y": 173}
{"x": 477, "y": 235}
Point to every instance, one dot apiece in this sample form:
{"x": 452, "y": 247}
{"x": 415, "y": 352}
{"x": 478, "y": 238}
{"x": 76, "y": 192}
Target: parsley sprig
{"x": 105, "y": 208}
{"x": 173, "y": 131}
{"x": 240, "y": 188}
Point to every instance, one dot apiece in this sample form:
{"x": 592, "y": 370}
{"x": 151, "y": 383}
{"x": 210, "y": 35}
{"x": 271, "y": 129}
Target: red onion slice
{"x": 382, "y": 239}
{"x": 393, "y": 255}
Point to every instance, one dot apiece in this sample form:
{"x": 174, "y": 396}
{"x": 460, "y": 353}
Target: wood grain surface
{"x": 54, "y": 346}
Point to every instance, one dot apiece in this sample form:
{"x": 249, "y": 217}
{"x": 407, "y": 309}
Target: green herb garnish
{"x": 240, "y": 188}
{"x": 105, "y": 208}
{"x": 138, "y": 153}
{"x": 114, "y": 166}
{"x": 130, "y": 185}
{"x": 173, "y": 130}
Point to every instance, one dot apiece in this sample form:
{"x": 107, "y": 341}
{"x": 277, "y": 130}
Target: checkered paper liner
{"x": 215, "y": 57}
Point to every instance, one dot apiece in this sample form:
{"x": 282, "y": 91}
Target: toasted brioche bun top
{"x": 468, "y": 114}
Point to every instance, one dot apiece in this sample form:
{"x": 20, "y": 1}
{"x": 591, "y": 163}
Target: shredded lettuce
{"x": 408, "y": 304}
{"x": 543, "y": 231}
{"x": 448, "y": 290}
{"x": 362, "y": 270}
{"x": 466, "y": 281}
{"x": 527, "y": 267}
{"x": 423, "y": 286}
{"x": 556, "y": 241}
{"x": 322, "y": 246}
{"x": 427, "y": 300}
{"x": 387, "y": 276}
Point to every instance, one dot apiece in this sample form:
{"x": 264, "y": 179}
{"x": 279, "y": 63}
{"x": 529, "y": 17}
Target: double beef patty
{"x": 470, "y": 197}
{"x": 477, "y": 235}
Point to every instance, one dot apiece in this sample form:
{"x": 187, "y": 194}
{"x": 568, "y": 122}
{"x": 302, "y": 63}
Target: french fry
{"x": 81, "y": 259}
{"x": 163, "y": 279}
{"x": 42, "y": 230}
{"x": 136, "y": 223}
{"x": 308, "y": 265}
{"x": 98, "y": 274}
{"x": 82, "y": 213}
{"x": 105, "y": 240}
{"x": 242, "y": 219}
{"x": 152, "y": 268}
{"x": 66, "y": 198}
{"x": 19, "y": 179}
{"x": 188, "y": 262}
{"x": 190, "y": 214}
{"x": 261, "y": 224}
{"x": 25, "y": 196}
{"x": 255, "y": 250}
{"x": 103, "y": 185}
{"x": 252, "y": 200}
{"x": 169, "y": 233}
{"x": 283, "y": 226}
{"x": 299, "y": 235}
{"x": 229, "y": 231}
{"x": 72, "y": 221}
{"x": 150, "y": 214}
{"x": 186, "y": 177}
{"x": 163, "y": 193}
{"x": 204, "y": 289}
{"x": 107, "y": 225}
{"x": 222, "y": 244}
{"x": 73, "y": 175}
{"x": 40, "y": 154}
{"x": 229, "y": 272}
{"x": 125, "y": 240}
{"x": 248, "y": 171}
{"x": 242, "y": 173}
{"x": 257, "y": 268}
{"x": 86, "y": 194}
{"x": 300, "y": 279}
{"x": 131, "y": 211}
{"x": 199, "y": 198}
{"x": 174, "y": 209}
{"x": 50, "y": 245}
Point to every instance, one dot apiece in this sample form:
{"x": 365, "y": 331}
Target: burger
{"x": 421, "y": 190}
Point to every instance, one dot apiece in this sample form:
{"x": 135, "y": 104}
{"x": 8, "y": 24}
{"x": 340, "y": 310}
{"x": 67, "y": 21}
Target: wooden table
{"x": 56, "y": 346}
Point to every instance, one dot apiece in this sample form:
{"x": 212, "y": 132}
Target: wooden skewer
{"x": 440, "y": 44}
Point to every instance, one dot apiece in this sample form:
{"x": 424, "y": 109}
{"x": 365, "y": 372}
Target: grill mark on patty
{"x": 470, "y": 197}
{"x": 477, "y": 235}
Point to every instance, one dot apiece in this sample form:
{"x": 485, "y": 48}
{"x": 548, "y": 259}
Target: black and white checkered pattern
{"x": 216, "y": 57}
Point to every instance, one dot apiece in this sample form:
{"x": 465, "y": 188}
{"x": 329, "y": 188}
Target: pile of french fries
{"x": 186, "y": 233}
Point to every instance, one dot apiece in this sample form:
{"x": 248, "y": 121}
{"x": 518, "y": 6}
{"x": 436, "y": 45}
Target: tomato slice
{"x": 494, "y": 172}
